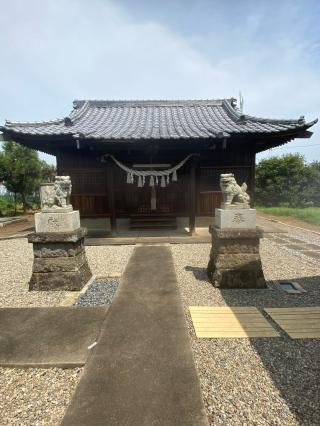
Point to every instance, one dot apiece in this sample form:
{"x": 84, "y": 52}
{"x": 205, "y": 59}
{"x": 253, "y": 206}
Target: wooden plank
{"x": 222, "y": 321}
{"x": 225, "y": 314}
{"x": 229, "y": 322}
{"x": 295, "y": 310}
{"x": 295, "y": 317}
{"x": 298, "y": 323}
{"x": 236, "y": 329}
{"x": 223, "y": 309}
{"x": 234, "y": 334}
{"x": 313, "y": 335}
{"x": 294, "y": 314}
{"x": 229, "y": 319}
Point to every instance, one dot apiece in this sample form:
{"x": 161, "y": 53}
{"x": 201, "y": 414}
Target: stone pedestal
{"x": 232, "y": 218}
{"x": 234, "y": 259}
{"x": 60, "y": 261}
{"x": 63, "y": 221}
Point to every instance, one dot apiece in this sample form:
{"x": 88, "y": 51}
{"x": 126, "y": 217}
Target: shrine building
{"x": 154, "y": 164}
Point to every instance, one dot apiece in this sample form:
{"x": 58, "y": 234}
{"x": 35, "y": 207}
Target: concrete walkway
{"x": 48, "y": 337}
{"x": 142, "y": 372}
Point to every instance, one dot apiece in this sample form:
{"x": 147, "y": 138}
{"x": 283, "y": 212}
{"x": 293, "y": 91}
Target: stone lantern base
{"x": 234, "y": 259}
{"x": 60, "y": 261}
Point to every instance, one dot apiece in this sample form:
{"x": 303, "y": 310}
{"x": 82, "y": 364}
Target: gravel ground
{"x": 104, "y": 260}
{"x": 254, "y": 381}
{"x": 35, "y": 396}
{"x": 100, "y": 292}
{"x": 30, "y": 397}
{"x": 16, "y": 268}
{"x": 294, "y": 242}
{"x": 15, "y": 272}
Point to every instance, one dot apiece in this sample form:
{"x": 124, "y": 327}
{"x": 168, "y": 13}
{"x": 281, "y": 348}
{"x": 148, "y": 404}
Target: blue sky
{"x": 55, "y": 51}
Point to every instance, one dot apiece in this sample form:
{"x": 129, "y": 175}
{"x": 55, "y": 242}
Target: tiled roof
{"x": 184, "y": 119}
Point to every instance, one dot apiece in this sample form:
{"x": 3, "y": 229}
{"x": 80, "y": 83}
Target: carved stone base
{"x": 235, "y": 217}
{"x": 59, "y": 221}
{"x": 234, "y": 258}
{"x": 60, "y": 261}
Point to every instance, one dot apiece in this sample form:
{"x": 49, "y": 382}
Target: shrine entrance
{"x": 155, "y": 208}
{"x": 154, "y": 199}
{"x": 153, "y": 194}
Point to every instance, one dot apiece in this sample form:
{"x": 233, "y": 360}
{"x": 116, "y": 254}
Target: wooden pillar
{"x": 111, "y": 196}
{"x": 253, "y": 181}
{"x": 192, "y": 197}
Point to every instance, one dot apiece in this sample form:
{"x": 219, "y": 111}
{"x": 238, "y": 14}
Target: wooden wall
{"x": 90, "y": 189}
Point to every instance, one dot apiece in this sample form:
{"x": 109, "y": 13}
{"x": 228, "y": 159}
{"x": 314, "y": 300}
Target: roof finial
{"x": 241, "y": 102}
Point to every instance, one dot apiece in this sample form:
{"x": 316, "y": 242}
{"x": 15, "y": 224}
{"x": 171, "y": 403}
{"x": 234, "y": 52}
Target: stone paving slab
{"x": 48, "y": 337}
{"x": 142, "y": 372}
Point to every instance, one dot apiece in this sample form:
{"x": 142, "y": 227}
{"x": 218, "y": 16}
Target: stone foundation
{"x": 60, "y": 261}
{"x": 234, "y": 259}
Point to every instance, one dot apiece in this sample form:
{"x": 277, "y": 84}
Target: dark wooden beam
{"x": 192, "y": 195}
{"x": 253, "y": 181}
{"x": 111, "y": 196}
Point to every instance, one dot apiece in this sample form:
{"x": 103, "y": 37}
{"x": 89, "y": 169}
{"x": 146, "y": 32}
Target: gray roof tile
{"x": 123, "y": 120}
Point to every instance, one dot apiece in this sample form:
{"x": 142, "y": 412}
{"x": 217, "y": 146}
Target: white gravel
{"x": 107, "y": 260}
{"x": 16, "y": 267}
{"x": 35, "y": 396}
{"x": 15, "y": 272}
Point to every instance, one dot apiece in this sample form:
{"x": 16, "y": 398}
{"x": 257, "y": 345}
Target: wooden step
{"x": 153, "y": 216}
{"x": 152, "y": 226}
{"x": 153, "y": 221}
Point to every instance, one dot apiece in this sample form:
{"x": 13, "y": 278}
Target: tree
{"x": 315, "y": 171}
{"x": 286, "y": 180}
{"x": 20, "y": 170}
{"x": 48, "y": 172}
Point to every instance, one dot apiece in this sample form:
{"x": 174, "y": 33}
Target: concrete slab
{"x": 48, "y": 337}
{"x": 142, "y": 370}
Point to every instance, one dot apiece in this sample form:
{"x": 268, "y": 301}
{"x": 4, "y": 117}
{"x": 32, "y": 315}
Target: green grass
{"x": 307, "y": 214}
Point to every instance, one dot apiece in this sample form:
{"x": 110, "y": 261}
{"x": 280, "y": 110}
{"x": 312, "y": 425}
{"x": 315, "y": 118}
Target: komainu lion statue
{"x": 62, "y": 187}
{"x": 56, "y": 196}
{"x": 232, "y": 193}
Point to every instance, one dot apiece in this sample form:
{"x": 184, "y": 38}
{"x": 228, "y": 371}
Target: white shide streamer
{"x": 156, "y": 177}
